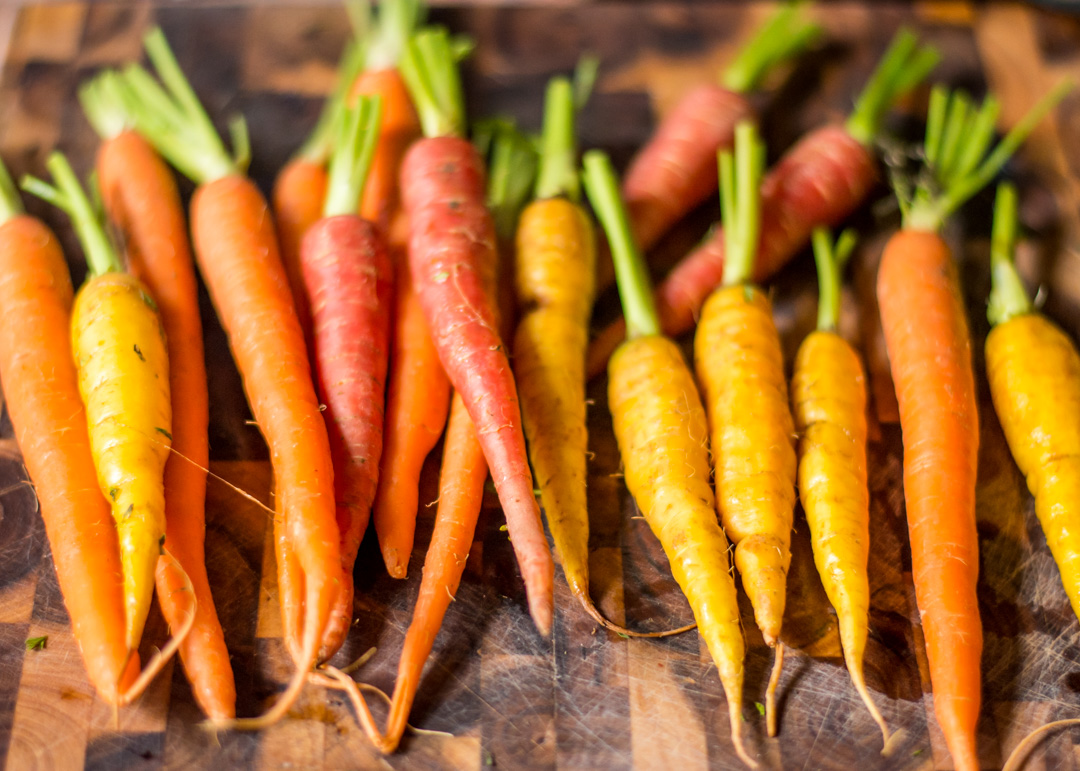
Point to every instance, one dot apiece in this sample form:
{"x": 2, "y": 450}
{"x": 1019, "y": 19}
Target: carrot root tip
{"x": 770, "y": 693}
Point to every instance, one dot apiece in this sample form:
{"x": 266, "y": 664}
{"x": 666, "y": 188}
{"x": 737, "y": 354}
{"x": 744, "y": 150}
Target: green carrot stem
{"x": 631, "y": 273}
{"x": 903, "y": 67}
{"x": 740, "y": 202}
{"x": 429, "y": 67}
{"x": 10, "y": 203}
{"x": 785, "y": 35}
{"x": 512, "y": 164}
{"x": 104, "y": 104}
{"x": 68, "y": 195}
{"x": 320, "y": 143}
{"x": 389, "y": 33}
{"x": 558, "y": 146}
{"x": 831, "y": 259}
{"x": 169, "y": 115}
{"x": 1008, "y": 297}
{"x": 961, "y": 168}
{"x": 358, "y": 134}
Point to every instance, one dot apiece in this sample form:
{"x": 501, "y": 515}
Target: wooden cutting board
{"x": 497, "y": 694}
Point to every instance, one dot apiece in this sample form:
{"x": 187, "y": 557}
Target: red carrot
{"x": 819, "y": 181}
{"x": 452, "y": 260}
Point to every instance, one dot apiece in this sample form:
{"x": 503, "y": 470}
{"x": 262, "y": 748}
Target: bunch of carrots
{"x": 403, "y": 285}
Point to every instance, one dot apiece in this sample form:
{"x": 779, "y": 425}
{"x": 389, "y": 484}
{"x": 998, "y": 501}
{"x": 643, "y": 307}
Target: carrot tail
{"x": 1016, "y": 758}
{"x": 770, "y": 692}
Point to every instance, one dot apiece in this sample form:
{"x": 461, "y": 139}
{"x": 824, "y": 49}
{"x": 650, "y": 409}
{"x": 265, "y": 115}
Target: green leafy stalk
{"x": 429, "y": 67}
{"x": 785, "y": 35}
{"x": 512, "y": 162}
{"x": 904, "y": 65}
{"x": 10, "y": 203}
{"x": 172, "y": 119}
{"x": 105, "y": 104}
{"x": 558, "y": 175}
{"x": 958, "y": 155}
{"x": 1008, "y": 297}
{"x": 740, "y": 202}
{"x": 631, "y": 273}
{"x": 358, "y": 134}
{"x": 831, "y": 259}
{"x": 388, "y": 35}
{"x": 68, "y": 195}
{"x": 320, "y": 144}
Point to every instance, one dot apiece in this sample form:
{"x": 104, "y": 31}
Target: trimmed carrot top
{"x": 831, "y": 258}
{"x": 429, "y": 67}
{"x": 785, "y": 35}
{"x": 10, "y": 203}
{"x": 904, "y": 65}
{"x": 319, "y": 145}
{"x": 511, "y": 163}
{"x": 558, "y": 174}
{"x": 959, "y": 161}
{"x": 357, "y": 135}
{"x": 740, "y": 202}
{"x": 1008, "y": 297}
{"x": 171, "y": 117}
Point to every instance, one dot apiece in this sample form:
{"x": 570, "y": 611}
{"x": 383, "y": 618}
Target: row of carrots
{"x": 368, "y": 313}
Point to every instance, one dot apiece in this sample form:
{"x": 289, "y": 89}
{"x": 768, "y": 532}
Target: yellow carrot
{"x": 828, "y": 394}
{"x": 123, "y": 373}
{"x": 740, "y": 365}
{"x": 662, "y": 434}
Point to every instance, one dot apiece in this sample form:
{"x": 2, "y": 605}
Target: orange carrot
{"x": 926, "y": 335}
{"x": 237, "y": 252}
{"x": 142, "y": 200}
{"x": 37, "y": 369}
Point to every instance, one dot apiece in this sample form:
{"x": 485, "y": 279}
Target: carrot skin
{"x": 929, "y": 347}
{"x": 298, "y": 195}
{"x": 140, "y": 195}
{"x": 348, "y": 279}
{"x": 819, "y": 181}
{"x": 236, "y": 249}
{"x": 452, "y": 260}
{"x": 461, "y": 491}
{"x": 676, "y": 170}
{"x": 42, "y": 397}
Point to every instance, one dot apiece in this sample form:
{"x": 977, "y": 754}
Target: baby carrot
{"x": 930, "y": 358}
{"x": 740, "y": 366}
{"x": 662, "y": 434}
{"x": 819, "y": 181}
{"x": 41, "y": 396}
{"x": 828, "y": 395}
{"x": 452, "y": 260}
{"x": 237, "y": 252}
{"x": 142, "y": 201}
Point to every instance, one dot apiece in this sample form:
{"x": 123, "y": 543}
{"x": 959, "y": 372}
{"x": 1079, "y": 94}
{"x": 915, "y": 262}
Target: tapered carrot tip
{"x": 395, "y": 566}
{"x": 542, "y": 610}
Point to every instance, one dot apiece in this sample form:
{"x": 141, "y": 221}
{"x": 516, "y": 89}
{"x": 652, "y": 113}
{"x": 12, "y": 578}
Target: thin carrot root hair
{"x": 735, "y": 719}
{"x": 770, "y": 692}
{"x": 1019, "y": 753}
{"x": 158, "y": 661}
{"x": 335, "y": 679}
{"x": 604, "y": 621}
{"x": 857, "y": 678}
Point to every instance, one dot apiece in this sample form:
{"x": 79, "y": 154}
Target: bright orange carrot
{"x": 42, "y": 397}
{"x": 142, "y": 200}
{"x": 926, "y": 335}
{"x": 237, "y": 252}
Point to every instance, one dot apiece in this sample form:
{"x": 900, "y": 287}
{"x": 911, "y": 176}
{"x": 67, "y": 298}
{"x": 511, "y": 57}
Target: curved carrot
{"x": 662, "y": 434}
{"x": 819, "y": 181}
{"x": 740, "y": 366}
{"x": 142, "y": 201}
{"x": 452, "y": 259}
{"x": 828, "y": 396}
{"x": 930, "y": 358}
{"x": 237, "y": 252}
{"x": 41, "y": 395}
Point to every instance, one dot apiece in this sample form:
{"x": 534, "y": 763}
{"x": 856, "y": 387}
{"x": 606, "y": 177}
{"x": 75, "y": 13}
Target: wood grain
{"x": 501, "y": 696}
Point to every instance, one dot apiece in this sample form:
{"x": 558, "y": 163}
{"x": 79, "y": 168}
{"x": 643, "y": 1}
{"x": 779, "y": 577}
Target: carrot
{"x": 452, "y": 261}
{"x": 348, "y": 282}
{"x": 819, "y": 181}
{"x": 662, "y": 435}
{"x": 828, "y": 394}
{"x": 300, "y": 186}
{"x": 141, "y": 199}
{"x": 237, "y": 252}
{"x": 740, "y": 366}
{"x": 41, "y": 395}
{"x": 930, "y": 358}
{"x": 676, "y": 169}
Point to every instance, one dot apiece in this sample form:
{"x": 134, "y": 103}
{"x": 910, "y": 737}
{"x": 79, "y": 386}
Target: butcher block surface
{"x": 494, "y": 693}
